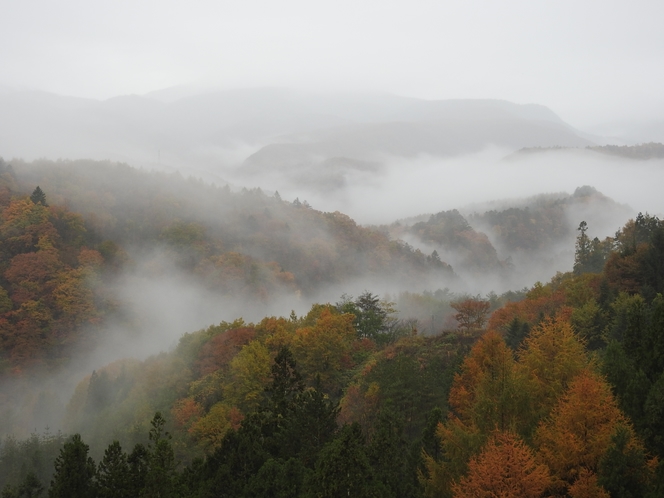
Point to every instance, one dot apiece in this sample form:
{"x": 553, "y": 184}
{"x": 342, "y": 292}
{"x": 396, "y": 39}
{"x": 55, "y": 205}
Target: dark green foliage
{"x": 278, "y": 479}
{"x": 38, "y": 196}
{"x": 635, "y": 233}
{"x": 590, "y": 255}
{"x": 371, "y": 317}
{"x": 623, "y": 470}
{"x": 30, "y": 487}
{"x": 286, "y": 383}
{"x": 241, "y": 455}
{"x": 161, "y": 478}
{"x": 310, "y": 426}
{"x": 113, "y": 474}
{"x": 654, "y": 415}
{"x": 34, "y": 455}
{"x": 653, "y": 263}
{"x": 430, "y": 441}
{"x": 74, "y": 472}
{"x": 634, "y": 364}
{"x": 516, "y": 332}
{"x": 389, "y": 454}
{"x": 414, "y": 376}
{"x": 344, "y": 469}
{"x": 138, "y": 462}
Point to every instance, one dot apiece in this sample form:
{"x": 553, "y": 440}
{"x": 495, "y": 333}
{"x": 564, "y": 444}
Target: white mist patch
{"x": 412, "y": 186}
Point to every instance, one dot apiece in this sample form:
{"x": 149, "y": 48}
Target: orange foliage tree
{"x": 578, "y": 432}
{"x": 471, "y": 313}
{"x": 507, "y": 468}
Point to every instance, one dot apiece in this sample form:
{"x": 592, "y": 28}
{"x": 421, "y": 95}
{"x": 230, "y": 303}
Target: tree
{"x": 343, "y": 468}
{"x": 578, "y": 433}
{"x": 113, "y": 472}
{"x": 30, "y": 487}
{"x": 389, "y": 457}
{"x": 507, "y": 468}
{"x": 583, "y": 249}
{"x": 372, "y": 318}
{"x": 551, "y": 357}
{"x": 38, "y": 196}
{"x": 471, "y": 313}
{"x": 74, "y": 471}
{"x": 249, "y": 376}
{"x": 161, "y": 476}
{"x": 624, "y": 469}
{"x": 323, "y": 350}
{"x": 286, "y": 382}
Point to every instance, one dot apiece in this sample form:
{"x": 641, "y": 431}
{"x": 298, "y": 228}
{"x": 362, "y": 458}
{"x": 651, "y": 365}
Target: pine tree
{"x": 343, "y": 468}
{"x": 161, "y": 477}
{"x": 38, "y": 196}
{"x": 113, "y": 473}
{"x": 74, "y": 471}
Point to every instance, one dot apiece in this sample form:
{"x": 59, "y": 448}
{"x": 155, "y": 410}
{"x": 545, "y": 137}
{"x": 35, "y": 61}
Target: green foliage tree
{"x": 38, "y": 196}
{"x": 161, "y": 479}
{"x": 623, "y": 470}
{"x": 344, "y": 469}
{"x": 389, "y": 458}
{"x": 138, "y": 462}
{"x": 113, "y": 474}
{"x": 75, "y": 472}
{"x": 590, "y": 255}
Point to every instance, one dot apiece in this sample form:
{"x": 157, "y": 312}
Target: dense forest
{"x": 553, "y": 390}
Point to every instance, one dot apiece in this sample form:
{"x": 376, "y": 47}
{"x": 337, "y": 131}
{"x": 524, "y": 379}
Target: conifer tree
{"x": 38, "y": 196}
{"x": 74, "y": 471}
{"x": 161, "y": 477}
{"x": 113, "y": 473}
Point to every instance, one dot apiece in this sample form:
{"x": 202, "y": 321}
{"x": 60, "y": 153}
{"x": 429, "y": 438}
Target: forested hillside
{"x": 562, "y": 383}
{"x": 505, "y": 245}
{"x": 236, "y": 242}
{"x": 415, "y": 397}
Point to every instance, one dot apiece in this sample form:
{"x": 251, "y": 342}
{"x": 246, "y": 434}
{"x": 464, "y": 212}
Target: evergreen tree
{"x": 309, "y": 427}
{"x": 138, "y": 462}
{"x": 623, "y": 470}
{"x": 38, "y": 196}
{"x": 30, "y": 487}
{"x": 161, "y": 479}
{"x": 431, "y": 443}
{"x": 516, "y": 333}
{"x": 286, "y": 383}
{"x": 278, "y": 479}
{"x": 113, "y": 473}
{"x": 343, "y": 468}
{"x": 74, "y": 471}
{"x": 388, "y": 455}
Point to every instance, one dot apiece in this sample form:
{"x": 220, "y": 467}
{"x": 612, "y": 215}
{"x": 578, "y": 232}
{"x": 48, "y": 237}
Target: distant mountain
{"x": 652, "y": 150}
{"x": 513, "y": 241}
{"x": 266, "y": 128}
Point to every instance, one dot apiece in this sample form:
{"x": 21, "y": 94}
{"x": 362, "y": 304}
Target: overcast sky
{"x": 590, "y": 61}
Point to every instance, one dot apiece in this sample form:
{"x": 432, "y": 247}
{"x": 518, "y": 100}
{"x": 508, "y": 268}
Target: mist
{"x": 201, "y": 172}
{"x": 405, "y": 187}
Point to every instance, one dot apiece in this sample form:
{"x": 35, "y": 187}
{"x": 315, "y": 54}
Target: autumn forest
{"x": 325, "y": 378}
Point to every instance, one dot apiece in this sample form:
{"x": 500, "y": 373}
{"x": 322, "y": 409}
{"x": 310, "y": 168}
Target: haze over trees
{"x": 184, "y": 337}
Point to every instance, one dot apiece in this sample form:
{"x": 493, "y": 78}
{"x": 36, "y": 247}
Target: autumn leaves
{"x": 544, "y": 420}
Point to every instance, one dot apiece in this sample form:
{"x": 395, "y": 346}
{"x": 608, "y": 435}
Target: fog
{"x": 388, "y": 113}
{"x": 592, "y": 62}
{"x": 401, "y": 187}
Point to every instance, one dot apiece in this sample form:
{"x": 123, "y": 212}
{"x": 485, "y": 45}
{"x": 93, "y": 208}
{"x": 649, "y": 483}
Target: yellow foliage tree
{"x": 249, "y": 376}
{"x": 550, "y": 358}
